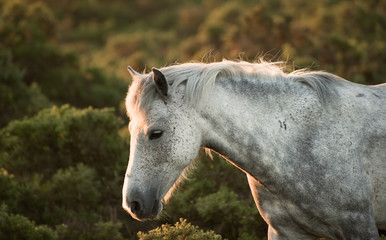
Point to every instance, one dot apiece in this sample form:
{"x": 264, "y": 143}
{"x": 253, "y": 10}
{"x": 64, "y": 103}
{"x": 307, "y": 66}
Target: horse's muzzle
{"x": 142, "y": 206}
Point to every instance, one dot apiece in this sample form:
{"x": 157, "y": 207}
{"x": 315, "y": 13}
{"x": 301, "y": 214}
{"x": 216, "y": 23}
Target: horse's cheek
{"x": 184, "y": 147}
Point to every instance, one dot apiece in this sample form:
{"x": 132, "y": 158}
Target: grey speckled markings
{"x": 313, "y": 145}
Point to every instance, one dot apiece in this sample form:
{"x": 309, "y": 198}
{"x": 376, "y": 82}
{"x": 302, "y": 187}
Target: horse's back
{"x": 376, "y": 152}
{"x": 378, "y": 175}
{"x": 363, "y": 115}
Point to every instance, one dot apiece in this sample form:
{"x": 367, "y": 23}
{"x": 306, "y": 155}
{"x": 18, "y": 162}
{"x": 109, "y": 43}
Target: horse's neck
{"x": 246, "y": 122}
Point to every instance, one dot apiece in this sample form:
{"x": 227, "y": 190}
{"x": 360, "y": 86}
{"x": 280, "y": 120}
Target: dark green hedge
{"x": 64, "y": 168}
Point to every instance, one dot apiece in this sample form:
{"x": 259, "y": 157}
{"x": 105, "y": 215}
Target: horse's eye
{"x": 155, "y": 134}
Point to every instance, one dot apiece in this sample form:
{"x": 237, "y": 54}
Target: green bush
{"x": 9, "y": 189}
{"x": 107, "y": 230}
{"x": 65, "y": 195}
{"x": 64, "y": 168}
{"x": 28, "y": 30}
{"x": 232, "y": 217}
{"x": 61, "y": 137}
{"x": 72, "y": 187}
{"x": 23, "y": 197}
{"x": 66, "y": 154}
{"x": 16, "y": 227}
{"x": 16, "y": 98}
{"x": 25, "y": 23}
{"x": 181, "y": 231}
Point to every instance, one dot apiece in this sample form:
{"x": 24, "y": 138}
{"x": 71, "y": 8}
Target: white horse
{"x": 313, "y": 145}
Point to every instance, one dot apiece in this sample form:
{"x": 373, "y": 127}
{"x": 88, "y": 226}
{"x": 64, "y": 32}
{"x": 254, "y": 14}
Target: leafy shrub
{"x": 9, "y": 191}
{"x": 83, "y": 187}
{"x": 15, "y": 227}
{"x": 231, "y": 216}
{"x": 107, "y": 230}
{"x": 181, "y": 231}
{"x": 16, "y": 98}
{"x": 28, "y": 29}
{"x": 59, "y": 160}
{"x": 22, "y": 197}
{"x": 25, "y": 23}
{"x": 62, "y": 137}
{"x": 83, "y": 145}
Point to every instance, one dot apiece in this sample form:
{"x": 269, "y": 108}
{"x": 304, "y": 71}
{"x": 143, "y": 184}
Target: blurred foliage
{"x": 60, "y": 138}
{"x": 343, "y": 37}
{"x": 62, "y": 168}
{"x": 16, "y": 98}
{"x": 16, "y": 227}
{"x": 28, "y": 31}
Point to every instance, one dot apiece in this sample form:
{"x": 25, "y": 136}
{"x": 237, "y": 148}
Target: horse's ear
{"x": 133, "y": 73}
{"x": 160, "y": 82}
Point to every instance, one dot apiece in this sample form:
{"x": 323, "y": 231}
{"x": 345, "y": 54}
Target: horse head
{"x": 165, "y": 139}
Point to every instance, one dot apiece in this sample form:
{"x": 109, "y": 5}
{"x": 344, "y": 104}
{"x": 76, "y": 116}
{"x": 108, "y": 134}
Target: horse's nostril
{"x": 135, "y": 207}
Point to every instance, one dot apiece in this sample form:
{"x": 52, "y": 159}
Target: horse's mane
{"x": 199, "y": 79}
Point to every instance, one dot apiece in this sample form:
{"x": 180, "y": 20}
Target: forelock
{"x": 140, "y": 96}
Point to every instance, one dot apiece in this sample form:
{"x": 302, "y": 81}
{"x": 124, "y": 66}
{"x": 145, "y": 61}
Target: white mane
{"x": 200, "y": 78}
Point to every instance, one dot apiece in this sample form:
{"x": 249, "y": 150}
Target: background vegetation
{"x": 63, "y": 138}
